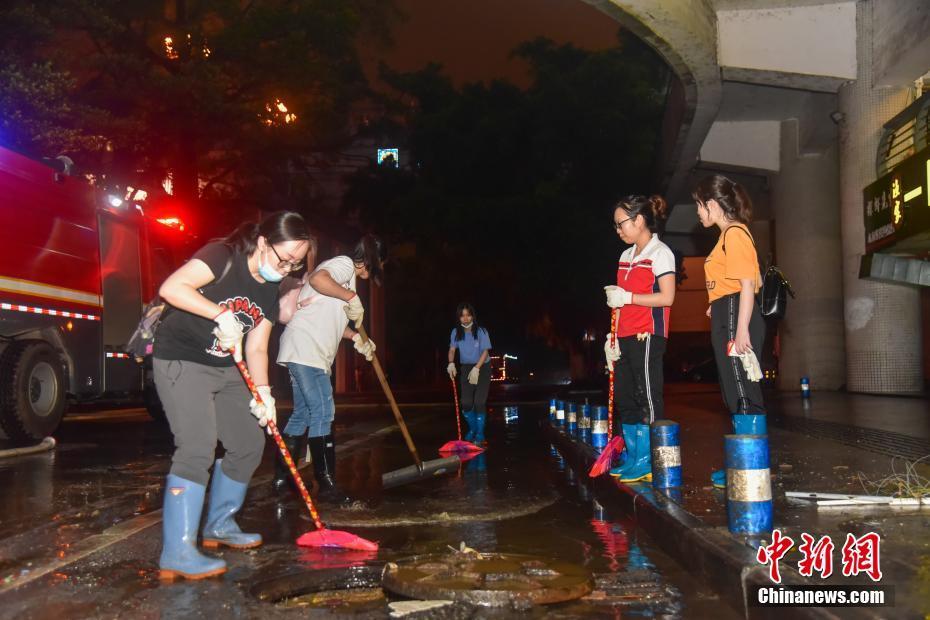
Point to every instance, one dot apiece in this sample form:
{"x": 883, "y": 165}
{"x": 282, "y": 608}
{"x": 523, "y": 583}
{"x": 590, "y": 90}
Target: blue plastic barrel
{"x": 749, "y": 484}
{"x": 599, "y": 427}
{"x": 560, "y": 413}
{"x": 805, "y": 387}
{"x": 552, "y": 406}
{"x": 584, "y": 423}
{"x": 571, "y": 419}
{"x": 666, "y": 454}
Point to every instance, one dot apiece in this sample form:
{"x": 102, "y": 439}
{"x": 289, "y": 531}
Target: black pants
{"x": 739, "y": 393}
{"x": 638, "y": 380}
{"x": 475, "y": 397}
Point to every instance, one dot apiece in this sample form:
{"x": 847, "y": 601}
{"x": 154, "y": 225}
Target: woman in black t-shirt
{"x": 228, "y": 290}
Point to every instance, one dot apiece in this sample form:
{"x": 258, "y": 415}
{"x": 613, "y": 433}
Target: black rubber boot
{"x": 323, "y": 450}
{"x": 297, "y": 446}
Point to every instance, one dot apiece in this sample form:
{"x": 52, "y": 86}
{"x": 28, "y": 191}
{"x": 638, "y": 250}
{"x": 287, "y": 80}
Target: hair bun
{"x": 659, "y": 206}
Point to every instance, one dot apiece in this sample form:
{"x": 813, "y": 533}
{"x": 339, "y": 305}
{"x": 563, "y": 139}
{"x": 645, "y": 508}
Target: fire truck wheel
{"x": 32, "y": 391}
{"x": 150, "y": 395}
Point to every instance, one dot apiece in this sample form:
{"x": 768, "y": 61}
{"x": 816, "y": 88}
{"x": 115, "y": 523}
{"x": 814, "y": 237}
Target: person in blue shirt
{"x": 474, "y": 347}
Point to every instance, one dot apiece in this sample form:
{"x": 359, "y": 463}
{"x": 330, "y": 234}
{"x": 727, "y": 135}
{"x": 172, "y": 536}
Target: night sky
{"x": 473, "y": 40}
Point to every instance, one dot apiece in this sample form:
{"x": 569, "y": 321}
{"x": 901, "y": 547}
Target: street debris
{"x": 405, "y": 608}
{"x": 909, "y": 488}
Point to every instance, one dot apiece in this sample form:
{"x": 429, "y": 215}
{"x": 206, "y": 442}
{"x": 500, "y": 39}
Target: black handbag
{"x": 774, "y": 294}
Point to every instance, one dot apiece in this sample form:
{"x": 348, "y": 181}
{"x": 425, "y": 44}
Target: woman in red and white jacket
{"x": 643, "y": 297}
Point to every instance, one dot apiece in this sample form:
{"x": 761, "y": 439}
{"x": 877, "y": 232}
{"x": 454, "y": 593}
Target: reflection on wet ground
{"x": 519, "y": 497}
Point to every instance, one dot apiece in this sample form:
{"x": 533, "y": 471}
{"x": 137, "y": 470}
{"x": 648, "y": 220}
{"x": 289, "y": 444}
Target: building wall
{"x": 808, "y": 250}
{"x": 882, "y": 321}
{"x": 767, "y": 39}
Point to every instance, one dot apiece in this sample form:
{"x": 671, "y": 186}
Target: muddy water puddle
{"x": 518, "y": 497}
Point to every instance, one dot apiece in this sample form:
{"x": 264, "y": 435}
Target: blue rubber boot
{"x": 472, "y": 424}
{"x": 637, "y": 560}
{"x": 743, "y": 424}
{"x": 226, "y": 497}
{"x": 477, "y": 464}
{"x": 180, "y": 519}
{"x": 749, "y": 424}
{"x": 626, "y": 457}
{"x": 641, "y": 465}
{"x": 479, "y": 428}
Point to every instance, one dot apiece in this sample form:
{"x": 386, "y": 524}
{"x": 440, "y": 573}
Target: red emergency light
{"x": 171, "y": 222}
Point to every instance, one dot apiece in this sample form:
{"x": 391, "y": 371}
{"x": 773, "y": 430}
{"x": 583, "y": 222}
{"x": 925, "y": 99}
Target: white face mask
{"x": 468, "y": 325}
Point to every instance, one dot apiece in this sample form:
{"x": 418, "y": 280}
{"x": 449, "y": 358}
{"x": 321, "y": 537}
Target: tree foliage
{"x": 507, "y": 201}
{"x": 187, "y": 86}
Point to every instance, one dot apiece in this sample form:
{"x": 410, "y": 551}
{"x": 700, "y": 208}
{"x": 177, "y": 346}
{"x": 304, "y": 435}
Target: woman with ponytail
{"x": 644, "y": 294}
{"x": 226, "y": 294}
{"x": 731, "y": 273}
{"x": 326, "y": 303}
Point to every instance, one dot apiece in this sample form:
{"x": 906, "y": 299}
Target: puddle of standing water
{"x": 517, "y": 497}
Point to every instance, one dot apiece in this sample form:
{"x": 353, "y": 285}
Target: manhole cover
{"x": 357, "y": 588}
{"x": 490, "y": 579}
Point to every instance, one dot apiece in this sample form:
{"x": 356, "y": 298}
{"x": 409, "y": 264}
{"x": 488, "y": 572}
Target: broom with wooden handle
{"x": 420, "y": 470}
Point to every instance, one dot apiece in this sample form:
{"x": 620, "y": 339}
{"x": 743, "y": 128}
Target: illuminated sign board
{"x": 897, "y": 206}
{"x": 388, "y": 157}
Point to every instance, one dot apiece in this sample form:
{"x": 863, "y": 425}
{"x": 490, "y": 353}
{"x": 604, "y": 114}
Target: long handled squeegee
{"x": 420, "y": 470}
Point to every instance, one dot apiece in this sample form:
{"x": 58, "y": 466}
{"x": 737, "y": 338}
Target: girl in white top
{"x": 326, "y": 303}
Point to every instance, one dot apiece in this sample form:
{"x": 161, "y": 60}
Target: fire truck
{"x": 76, "y": 268}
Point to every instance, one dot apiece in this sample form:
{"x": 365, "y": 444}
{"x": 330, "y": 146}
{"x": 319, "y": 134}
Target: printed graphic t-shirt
{"x": 312, "y": 337}
{"x": 639, "y": 274}
{"x": 724, "y": 269}
{"x": 188, "y": 337}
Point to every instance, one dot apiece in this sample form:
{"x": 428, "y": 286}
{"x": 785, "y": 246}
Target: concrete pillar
{"x": 883, "y": 330}
{"x": 805, "y": 197}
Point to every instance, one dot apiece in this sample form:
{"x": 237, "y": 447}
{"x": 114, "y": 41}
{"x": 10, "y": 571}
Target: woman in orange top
{"x": 731, "y": 272}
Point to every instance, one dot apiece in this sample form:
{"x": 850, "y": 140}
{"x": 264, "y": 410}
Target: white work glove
{"x": 228, "y": 332}
{"x": 473, "y": 375}
{"x": 451, "y": 369}
{"x": 618, "y": 297}
{"x": 611, "y": 351}
{"x": 367, "y": 349}
{"x": 265, "y": 410}
{"x": 751, "y": 366}
{"x": 354, "y": 310}
{"x": 750, "y": 363}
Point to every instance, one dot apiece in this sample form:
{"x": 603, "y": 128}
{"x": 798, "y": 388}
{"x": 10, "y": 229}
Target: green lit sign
{"x": 897, "y": 206}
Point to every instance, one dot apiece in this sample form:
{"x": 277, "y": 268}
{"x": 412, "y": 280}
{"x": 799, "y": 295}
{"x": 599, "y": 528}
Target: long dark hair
{"x": 653, "y": 209}
{"x": 730, "y": 195}
{"x": 459, "y": 330}
{"x": 278, "y": 227}
{"x": 371, "y": 252}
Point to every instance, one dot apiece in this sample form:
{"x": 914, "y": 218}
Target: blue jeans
{"x": 314, "y": 407}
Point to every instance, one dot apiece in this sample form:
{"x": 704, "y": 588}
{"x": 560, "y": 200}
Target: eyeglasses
{"x": 619, "y": 225}
{"x": 284, "y": 265}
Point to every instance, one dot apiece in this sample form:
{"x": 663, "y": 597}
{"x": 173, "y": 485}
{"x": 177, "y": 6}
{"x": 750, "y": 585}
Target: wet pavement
{"x": 80, "y": 527}
{"x": 836, "y": 460}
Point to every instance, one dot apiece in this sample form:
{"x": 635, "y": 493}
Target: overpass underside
{"x": 798, "y": 100}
